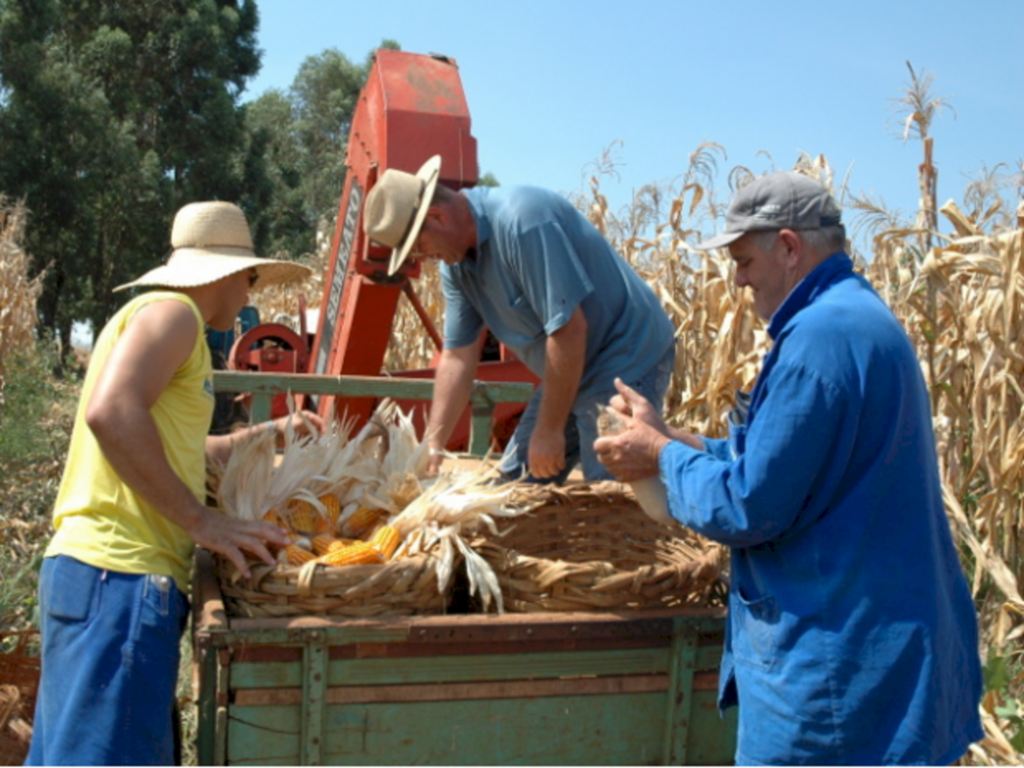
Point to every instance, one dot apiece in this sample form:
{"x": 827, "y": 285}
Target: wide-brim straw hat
{"x": 397, "y": 206}
{"x": 211, "y": 241}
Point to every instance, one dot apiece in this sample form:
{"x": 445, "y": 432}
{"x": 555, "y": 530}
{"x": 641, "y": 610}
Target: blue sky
{"x": 551, "y": 84}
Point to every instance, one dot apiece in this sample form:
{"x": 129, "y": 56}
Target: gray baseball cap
{"x": 780, "y": 200}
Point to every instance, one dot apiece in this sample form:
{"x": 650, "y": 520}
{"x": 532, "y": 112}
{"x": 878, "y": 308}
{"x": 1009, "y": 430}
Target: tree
{"x": 112, "y": 116}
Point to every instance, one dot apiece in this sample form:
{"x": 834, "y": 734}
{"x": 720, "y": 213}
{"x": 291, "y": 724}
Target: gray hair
{"x": 824, "y": 241}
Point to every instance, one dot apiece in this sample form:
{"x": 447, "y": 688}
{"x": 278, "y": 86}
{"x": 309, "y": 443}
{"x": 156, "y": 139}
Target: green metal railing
{"x": 264, "y": 386}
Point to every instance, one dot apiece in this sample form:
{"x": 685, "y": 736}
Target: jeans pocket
{"x": 160, "y": 619}
{"x": 68, "y": 587}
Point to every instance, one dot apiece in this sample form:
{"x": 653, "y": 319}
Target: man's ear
{"x": 794, "y": 246}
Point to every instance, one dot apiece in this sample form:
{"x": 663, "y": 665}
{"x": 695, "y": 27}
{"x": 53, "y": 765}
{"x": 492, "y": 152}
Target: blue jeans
{"x": 581, "y": 426}
{"x": 110, "y": 655}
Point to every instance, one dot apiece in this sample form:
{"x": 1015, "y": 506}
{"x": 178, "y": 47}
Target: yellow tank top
{"x": 98, "y": 518}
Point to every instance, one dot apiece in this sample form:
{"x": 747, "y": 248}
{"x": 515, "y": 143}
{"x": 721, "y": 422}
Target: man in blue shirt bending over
{"x": 526, "y": 264}
{"x": 852, "y": 637}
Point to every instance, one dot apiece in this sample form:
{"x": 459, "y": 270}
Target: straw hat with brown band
{"x": 397, "y": 206}
{"x": 211, "y": 241}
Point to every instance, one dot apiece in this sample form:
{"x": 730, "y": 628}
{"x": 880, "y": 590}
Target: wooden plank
{"x": 210, "y": 615}
{"x": 312, "y": 700}
{"x": 512, "y": 689}
{"x": 561, "y": 629}
{"x": 591, "y": 730}
{"x": 255, "y": 654}
{"x": 712, "y": 735}
{"x": 472, "y": 627}
{"x": 706, "y": 681}
{"x": 679, "y": 700}
{"x": 457, "y": 669}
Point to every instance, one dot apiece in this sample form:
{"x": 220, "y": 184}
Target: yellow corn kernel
{"x": 303, "y": 517}
{"x": 333, "y": 506}
{"x": 361, "y": 521}
{"x": 271, "y": 516}
{"x": 386, "y": 540}
{"x": 359, "y": 553}
{"x": 323, "y": 542}
{"x": 340, "y": 543}
{"x": 294, "y": 555}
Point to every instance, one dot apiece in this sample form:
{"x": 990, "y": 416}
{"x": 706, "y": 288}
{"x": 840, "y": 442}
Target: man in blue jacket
{"x": 852, "y": 636}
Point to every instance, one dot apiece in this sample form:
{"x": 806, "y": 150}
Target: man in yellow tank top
{"x": 131, "y": 505}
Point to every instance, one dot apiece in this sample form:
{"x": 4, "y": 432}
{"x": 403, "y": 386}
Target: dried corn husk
{"x": 377, "y": 477}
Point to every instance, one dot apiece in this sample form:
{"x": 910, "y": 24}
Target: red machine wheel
{"x": 270, "y": 348}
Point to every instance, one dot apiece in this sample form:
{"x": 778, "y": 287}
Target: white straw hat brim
{"x": 429, "y": 173}
{"x": 193, "y": 267}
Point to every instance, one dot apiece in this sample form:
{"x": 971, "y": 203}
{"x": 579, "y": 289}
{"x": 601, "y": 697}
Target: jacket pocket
{"x": 754, "y": 623}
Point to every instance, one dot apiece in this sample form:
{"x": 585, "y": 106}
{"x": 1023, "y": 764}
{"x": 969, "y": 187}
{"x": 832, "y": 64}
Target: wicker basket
{"x": 403, "y": 587}
{"x": 19, "y": 683}
{"x": 590, "y": 547}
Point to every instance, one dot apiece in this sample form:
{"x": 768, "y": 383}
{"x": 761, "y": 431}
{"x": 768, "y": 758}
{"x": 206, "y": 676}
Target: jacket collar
{"x": 836, "y": 267}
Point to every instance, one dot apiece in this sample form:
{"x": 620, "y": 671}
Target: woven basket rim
{"x": 532, "y": 580}
{"x": 317, "y": 588}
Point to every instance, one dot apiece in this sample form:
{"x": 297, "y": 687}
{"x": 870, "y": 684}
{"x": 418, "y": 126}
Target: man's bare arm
{"x": 565, "y": 356}
{"x": 155, "y": 344}
{"x": 453, "y": 385}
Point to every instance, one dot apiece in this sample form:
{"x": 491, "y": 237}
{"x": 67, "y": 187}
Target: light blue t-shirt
{"x": 537, "y": 259}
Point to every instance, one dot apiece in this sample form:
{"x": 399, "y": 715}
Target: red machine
{"x": 411, "y": 108}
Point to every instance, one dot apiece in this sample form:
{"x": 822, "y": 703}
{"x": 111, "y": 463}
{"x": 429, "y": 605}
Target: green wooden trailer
{"x": 615, "y": 688}
{"x": 627, "y": 688}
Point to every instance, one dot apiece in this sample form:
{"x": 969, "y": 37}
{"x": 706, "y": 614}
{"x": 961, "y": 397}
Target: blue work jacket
{"x": 852, "y": 637}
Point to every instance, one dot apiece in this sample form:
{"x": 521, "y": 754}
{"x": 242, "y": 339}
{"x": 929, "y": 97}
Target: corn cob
{"x": 294, "y": 555}
{"x": 303, "y": 517}
{"x": 340, "y": 543}
{"x": 333, "y": 506}
{"x": 361, "y": 521}
{"x": 324, "y": 543}
{"x": 386, "y": 540}
{"x": 271, "y": 516}
{"x": 321, "y": 543}
{"x": 359, "y": 553}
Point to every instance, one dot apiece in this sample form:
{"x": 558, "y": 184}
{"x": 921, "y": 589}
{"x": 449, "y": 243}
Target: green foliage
{"x": 36, "y": 414}
{"x": 31, "y": 430}
{"x": 1004, "y": 681}
{"x": 112, "y": 116}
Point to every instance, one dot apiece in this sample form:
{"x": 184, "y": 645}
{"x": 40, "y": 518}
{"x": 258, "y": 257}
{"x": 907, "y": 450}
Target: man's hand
{"x": 232, "y": 538}
{"x": 633, "y": 453}
{"x": 435, "y": 457}
{"x": 546, "y": 453}
{"x": 302, "y": 422}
